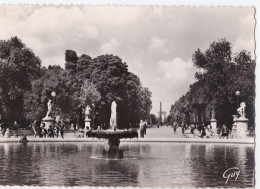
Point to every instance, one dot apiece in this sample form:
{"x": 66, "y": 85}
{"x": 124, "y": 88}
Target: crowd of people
{"x": 202, "y": 130}
{"x": 5, "y": 130}
{"x": 52, "y": 131}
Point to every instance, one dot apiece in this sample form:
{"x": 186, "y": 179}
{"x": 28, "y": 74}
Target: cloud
{"x": 244, "y": 44}
{"x": 175, "y": 69}
{"x": 158, "y": 44}
{"x": 113, "y": 15}
{"x": 109, "y": 47}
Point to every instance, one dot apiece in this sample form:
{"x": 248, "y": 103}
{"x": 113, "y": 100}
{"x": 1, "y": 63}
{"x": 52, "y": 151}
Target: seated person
{"x": 196, "y": 132}
{"x": 208, "y": 132}
{"x": 203, "y": 133}
{"x": 188, "y": 130}
{"x": 224, "y": 132}
{"x": 88, "y": 132}
{"x": 7, "y": 133}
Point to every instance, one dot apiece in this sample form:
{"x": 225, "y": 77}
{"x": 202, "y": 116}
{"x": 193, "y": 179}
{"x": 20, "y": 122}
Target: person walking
{"x": 145, "y": 127}
{"x": 62, "y": 127}
{"x": 183, "y": 128}
{"x": 174, "y": 127}
{"x": 141, "y": 128}
{"x": 57, "y": 128}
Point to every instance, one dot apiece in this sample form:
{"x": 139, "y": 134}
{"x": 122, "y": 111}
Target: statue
{"x": 213, "y": 114}
{"x": 241, "y": 110}
{"x": 49, "y": 105}
{"x": 87, "y": 112}
{"x": 113, "y": 121}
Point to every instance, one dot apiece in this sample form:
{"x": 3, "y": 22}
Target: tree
{"x": 223, "y": 73}
{"x": 152, "y": 119}
{"x": 145, "y": 103}
{"x": 96, "y": 82}
{"x": 89, "y": 96}
{"x": 18, "y": 66}
{"x": 36, "y": 99}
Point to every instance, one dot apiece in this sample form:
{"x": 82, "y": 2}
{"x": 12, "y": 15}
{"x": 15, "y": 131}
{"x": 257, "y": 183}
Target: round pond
{"x": 144, "y": 164}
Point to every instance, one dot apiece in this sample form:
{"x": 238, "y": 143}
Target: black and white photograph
{"x": 127, "y": 96}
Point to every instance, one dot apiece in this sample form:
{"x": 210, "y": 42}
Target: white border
{"x": 236, "y": 3}
{"x": 139, "y": 2}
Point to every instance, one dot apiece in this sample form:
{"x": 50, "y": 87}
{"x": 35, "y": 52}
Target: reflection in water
{"x": 144, "y": 165}
{"x": 209, "y": 162}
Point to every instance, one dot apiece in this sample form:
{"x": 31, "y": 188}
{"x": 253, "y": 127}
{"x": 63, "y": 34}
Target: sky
{"x": 156, "y": 42}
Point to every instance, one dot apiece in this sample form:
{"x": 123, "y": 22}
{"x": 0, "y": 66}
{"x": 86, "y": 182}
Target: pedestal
{"x": 242, "y": 126}
{"x": 48, "y": 121}
{"x": 213, "y": 123}
{"x": 87, "y": 123}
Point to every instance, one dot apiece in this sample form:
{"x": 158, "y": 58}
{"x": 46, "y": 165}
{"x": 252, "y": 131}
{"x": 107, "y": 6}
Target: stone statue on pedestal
{"x": 241, "y": 110}
{"x": 87, "y": 112}
{"x": 241, "y": 123}
{"x": 213, "y": 115}
{"x": 49, "y": 105}
{"x": 47, "y": 120}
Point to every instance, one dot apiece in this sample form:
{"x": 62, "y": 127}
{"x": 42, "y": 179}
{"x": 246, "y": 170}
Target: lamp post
{"x": 53, "y": 94}
{"x": 237, "y": 95}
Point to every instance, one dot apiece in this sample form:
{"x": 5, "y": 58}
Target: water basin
{"x": 144, "y": 164}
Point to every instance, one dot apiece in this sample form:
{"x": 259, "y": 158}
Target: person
{"x": 192, "y": 126}
{"x": 174, "y": 127}
{"x": 207, "y": 132}
{"x": 1, "y": 122}
{"x": 183, "y": 128}
{"x": 15, "y": 128}
{"x": 142, "y": 128}
{"x": 1, "y": 126}
{"x": 187, "y": 132}
{"x": 203, "y": 133}
{"x": 88, "y": 132}
{"x": 50, "y": 132}
{"x": 196, "y": 132}
{"x": 62, "y": 127}
{"x": 224, "y": 132}
{"x": 42, "y": 130}
{"x": 7, "y": 133}
{"x": 34, "y": 128}
{"x": 57, "y": 128}
{"x": 145, "y": 127}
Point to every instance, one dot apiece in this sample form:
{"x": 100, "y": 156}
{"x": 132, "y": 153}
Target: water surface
{"x": 144, "y": 165}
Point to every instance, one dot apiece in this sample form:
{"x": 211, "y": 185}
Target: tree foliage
{"x": 221, "y": 74}
{"x": 84, "y": 81}
{"x": 18, "y": 66}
